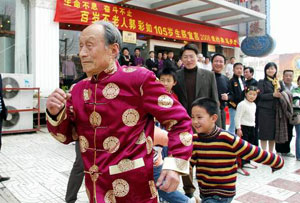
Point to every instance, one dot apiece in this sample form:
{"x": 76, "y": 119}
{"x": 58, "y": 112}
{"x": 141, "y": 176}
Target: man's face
{"x": 152, "y": 55}
{"x": 170, "y": 55}
{"x": 159, "y": 55}
{"x": 125, "y": 52}
{"x": 189, "y": 59}
{"x": 288, "y": 77}
{"x": 232, "y": 61}
{"x": 218, "y": 64}
{"x": 247, "y": 74}
{"x": 238, "y": 70}
{"x": 206, "y": 60}
{"x": 95, "y": 56}
{"x": 165, "y": 56}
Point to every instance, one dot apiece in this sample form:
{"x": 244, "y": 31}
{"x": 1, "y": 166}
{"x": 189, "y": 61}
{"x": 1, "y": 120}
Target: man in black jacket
{"x": 3, "y": 116}
{"x": 152, "y": 63}
{"x": 236, "y": 92}
{"x": 248, "y": 74}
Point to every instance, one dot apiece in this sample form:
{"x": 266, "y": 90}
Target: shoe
{"x": 243, "y": 172}
{"x": 288, "y": 154}
{"x": 195, "y": 199}
{"x": 4, "y": 178}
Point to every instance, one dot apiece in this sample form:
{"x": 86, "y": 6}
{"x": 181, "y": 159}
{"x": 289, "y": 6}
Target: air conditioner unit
{"x": 18, "y": 100}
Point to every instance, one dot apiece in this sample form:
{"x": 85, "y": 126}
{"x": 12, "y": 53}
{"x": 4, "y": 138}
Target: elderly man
{"x": 112, "y": 112}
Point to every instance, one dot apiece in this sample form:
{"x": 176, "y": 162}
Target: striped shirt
{"x": 215, "y": 158}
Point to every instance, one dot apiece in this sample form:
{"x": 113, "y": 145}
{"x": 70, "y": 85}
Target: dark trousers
{"x": 0, "y": 132}
{"x": 76, "y": 177}
{"x": 188, "y": 185}
{"x": 249, "y": 136}
{"x": 285, "y": 147}
{"x": 223, "y": 119}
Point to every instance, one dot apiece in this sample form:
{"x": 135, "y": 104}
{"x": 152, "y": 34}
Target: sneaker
{"x": 288, "y": 154}
{"x": 243, "y": 172}
{"x": 194, "y": 200}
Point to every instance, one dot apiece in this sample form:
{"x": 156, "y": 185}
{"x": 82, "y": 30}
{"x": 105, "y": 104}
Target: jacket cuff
{"x": 56, "y": 120}
{"x": 176, "y": 164}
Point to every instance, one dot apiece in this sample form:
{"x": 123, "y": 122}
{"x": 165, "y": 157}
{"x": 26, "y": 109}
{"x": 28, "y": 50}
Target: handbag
{"x": 295, "y": 119}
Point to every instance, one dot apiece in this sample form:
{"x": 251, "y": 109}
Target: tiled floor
{"x": 39, "y": 166}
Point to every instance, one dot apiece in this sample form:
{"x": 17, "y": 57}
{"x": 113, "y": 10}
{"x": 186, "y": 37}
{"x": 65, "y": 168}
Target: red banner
{"x": 86, "y": 12}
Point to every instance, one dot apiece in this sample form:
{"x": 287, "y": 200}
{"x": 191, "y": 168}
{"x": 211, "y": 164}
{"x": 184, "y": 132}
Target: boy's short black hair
{"x": 168, "y": 71}
{"x": 151, "y": 52}
{"x": 191, "y": 47}
{"x": 137, "y": 49}
{"x": 210, "y": 105}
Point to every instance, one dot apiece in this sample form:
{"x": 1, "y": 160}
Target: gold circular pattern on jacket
{"x": 181, "y": 164}
{"x": 111, "y": 91}
{"x": 121, "y": 187}
{"x": 126, "y": 165}
{"x": 149, "y": 144}
{"x": 111, "y": 144}
{"x": 165, "y": 101}
{"x": 83, "y": 144}
{"x": 87, "y": 94}
{"x": 110, "y": 197}
{"x": 142, "y": 138}
{"x": 95, "y": 119}
{"x": 94, "y": 172}
{"x": 60, "y": 137}
{"x": 130, "y": 117}
{"x": 129, "y": 70}
{"x": 169, "y": 124}
{"x": 186, "y": 138}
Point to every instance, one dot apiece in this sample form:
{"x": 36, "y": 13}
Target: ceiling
{"x": 218, "y": 13}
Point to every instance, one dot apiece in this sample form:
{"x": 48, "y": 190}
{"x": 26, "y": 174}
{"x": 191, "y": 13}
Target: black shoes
{"x": 4, "y": 178}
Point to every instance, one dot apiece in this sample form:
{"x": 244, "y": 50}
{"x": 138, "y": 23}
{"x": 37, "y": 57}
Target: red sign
{"x": 86, "y": 12}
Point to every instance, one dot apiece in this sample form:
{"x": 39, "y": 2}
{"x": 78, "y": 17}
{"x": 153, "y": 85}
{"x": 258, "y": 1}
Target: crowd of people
{"x": 111, "y": 113}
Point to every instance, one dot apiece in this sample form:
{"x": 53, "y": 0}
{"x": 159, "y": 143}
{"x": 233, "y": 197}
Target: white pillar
{"x": 44, "y": 45}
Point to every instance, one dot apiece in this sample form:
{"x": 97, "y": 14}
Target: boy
{"x": 215, "y": 154}
{"x": 167, "y": 77}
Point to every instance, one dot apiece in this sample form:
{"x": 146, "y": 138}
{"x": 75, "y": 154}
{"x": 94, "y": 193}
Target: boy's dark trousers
{"x": 285, "y": 147}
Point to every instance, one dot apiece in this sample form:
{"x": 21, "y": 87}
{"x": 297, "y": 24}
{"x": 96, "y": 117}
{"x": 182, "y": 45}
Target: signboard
{"x": 86, "y": 12}
{"x": 129, "y": 37}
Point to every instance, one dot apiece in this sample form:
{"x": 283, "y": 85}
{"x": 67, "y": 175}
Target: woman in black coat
{"x": 269, "y": 94}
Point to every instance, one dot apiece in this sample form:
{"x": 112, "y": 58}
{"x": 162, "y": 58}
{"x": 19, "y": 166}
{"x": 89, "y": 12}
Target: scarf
{"x": 275, "y": 83}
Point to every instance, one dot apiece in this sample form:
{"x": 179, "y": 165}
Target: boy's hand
{"x": 239, "y": 132}
{"x": 168, "y": 180}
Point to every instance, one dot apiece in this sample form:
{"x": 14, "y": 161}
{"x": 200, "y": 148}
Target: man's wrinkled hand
{"x": 168, "y": 180}
{"x": 56, "y": 101}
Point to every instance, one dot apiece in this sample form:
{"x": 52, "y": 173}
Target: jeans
{"x": 231, "y": 128}
{"x": 297, "y": 141}
{"x": 172, "y": 197}
{"x": 216, "y": 199}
